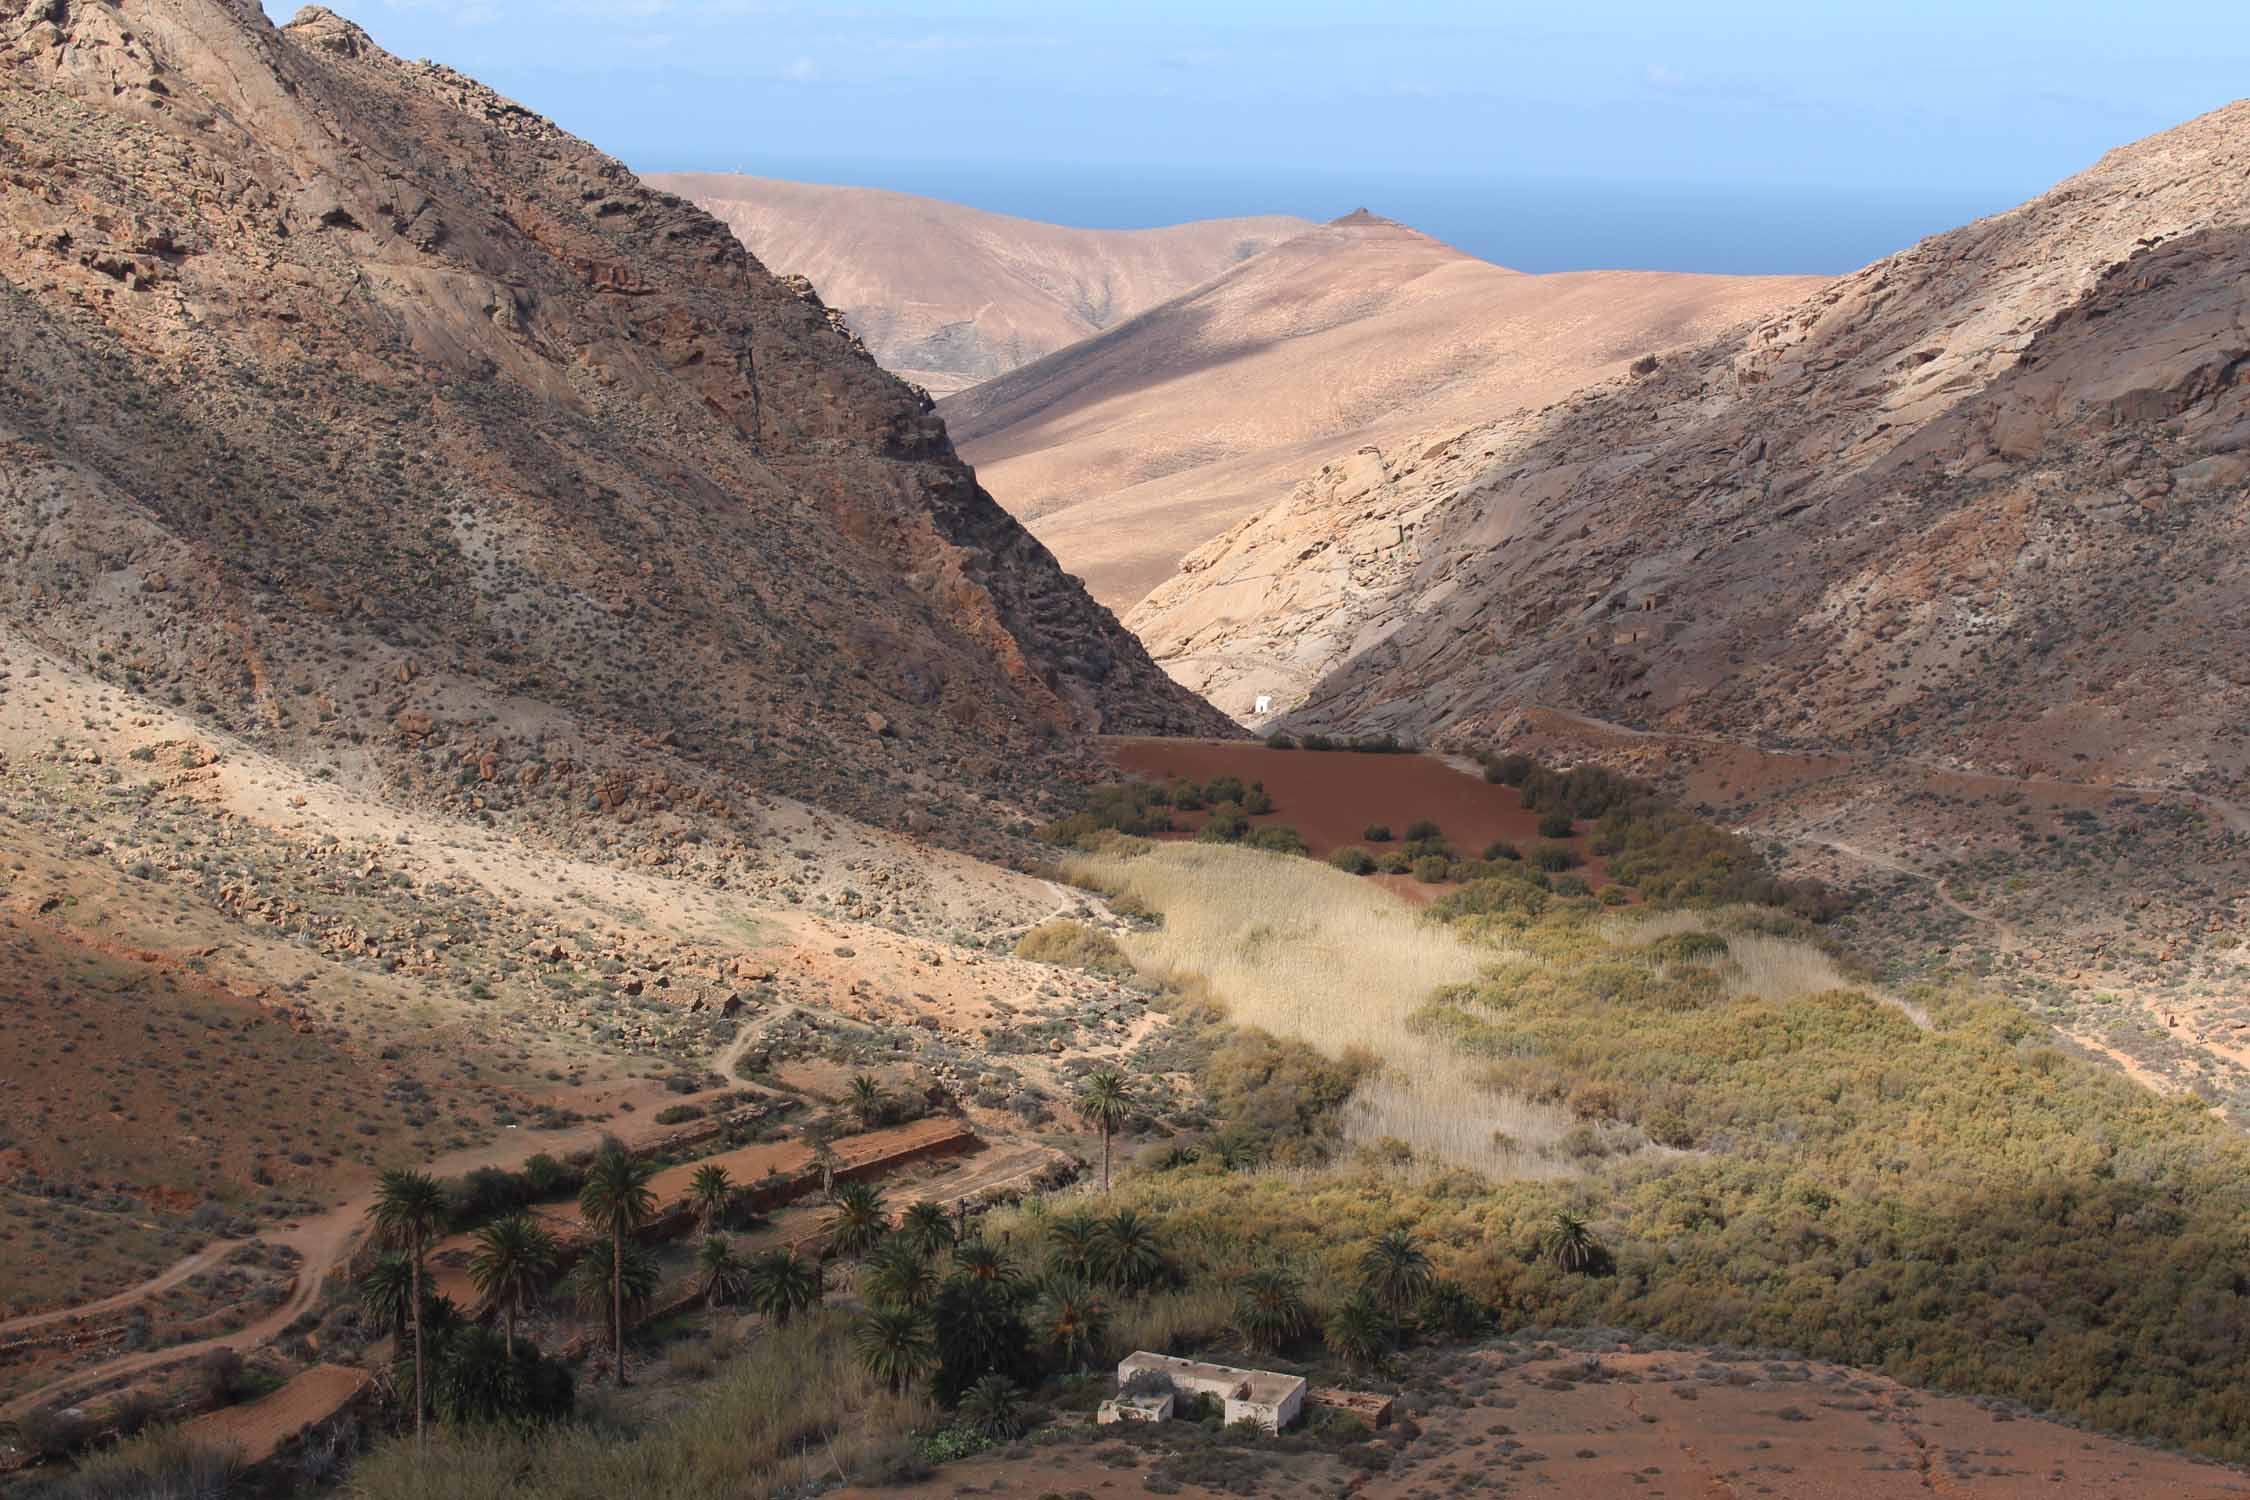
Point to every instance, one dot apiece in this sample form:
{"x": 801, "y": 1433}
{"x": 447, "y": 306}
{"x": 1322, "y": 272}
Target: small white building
{"x": 1265, "y": 704}
{"x": 1271, "y": 1400}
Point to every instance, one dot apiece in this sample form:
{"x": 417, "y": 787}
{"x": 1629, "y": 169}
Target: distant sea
{"x": 1530, "y": 225}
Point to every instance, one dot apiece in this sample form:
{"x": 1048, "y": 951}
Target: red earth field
{"x": 1331, "y": 797}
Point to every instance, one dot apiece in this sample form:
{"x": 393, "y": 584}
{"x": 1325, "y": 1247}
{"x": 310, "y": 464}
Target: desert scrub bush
{"x": 158, "y": 1466}
{"x": 1432, "y": 869}
{"x": 1135, "y": 807}
{"x": 1395, "y": 862}
{"x": 1501, "y": 849}
{"x": 1377, "y": 833}
{"x": 1353, "y": 860}
{"x": 1277, "y": 838}
{"x": 1555, "y": 858}
{"x": 1423, "y": 828}
{"x": 1226, "y": 825}
{"x": 1075, "y": 944}
{"x": 785, "y": 1416}
{"x": 1557, "y": 825}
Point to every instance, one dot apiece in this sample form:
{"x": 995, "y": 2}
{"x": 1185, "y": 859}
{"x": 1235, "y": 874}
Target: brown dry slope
{"x": 1978, "y": 508}
{"x": 947, "y": 295}
{"x": 378, "y": 419}
{"x": 1127, "y": 451}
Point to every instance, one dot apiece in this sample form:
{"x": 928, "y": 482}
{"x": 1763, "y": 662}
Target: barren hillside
{"x": 1127, "y": 451}
{"x": 1977, "y": 511}
{"x": 947, "y": 295}
{"x": 379, "y": 419}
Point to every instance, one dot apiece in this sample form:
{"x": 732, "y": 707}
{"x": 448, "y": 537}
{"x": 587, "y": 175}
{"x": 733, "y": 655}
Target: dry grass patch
{"x": 1310, "y": 953}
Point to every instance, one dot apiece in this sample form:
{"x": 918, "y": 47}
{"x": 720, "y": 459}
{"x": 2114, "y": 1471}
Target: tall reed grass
{"x": 1308, "y": 952}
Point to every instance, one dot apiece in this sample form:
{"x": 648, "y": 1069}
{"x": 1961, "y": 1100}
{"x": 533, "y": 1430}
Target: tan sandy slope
{"x": 1126, "y": 452}
{"x": 948, "y": 295}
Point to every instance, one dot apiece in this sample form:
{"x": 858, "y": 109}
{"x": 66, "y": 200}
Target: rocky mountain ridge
{"x": 384, "y": 423}
{"x": 1129, "y": 450}
{"x": 1980, "y": 501}
{"x": 946, "y": 295}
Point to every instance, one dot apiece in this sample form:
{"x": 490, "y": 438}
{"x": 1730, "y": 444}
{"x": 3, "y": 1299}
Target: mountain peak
{"x": 318, "y": 26}
{"x": 1364, "y": 218}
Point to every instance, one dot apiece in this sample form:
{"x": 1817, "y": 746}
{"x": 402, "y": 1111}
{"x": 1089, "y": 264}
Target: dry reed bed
{"x": 1305, "y": 951}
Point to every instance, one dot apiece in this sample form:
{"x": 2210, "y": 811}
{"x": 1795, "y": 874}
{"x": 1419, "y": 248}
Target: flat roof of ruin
{"x": 1266, "y": 1386}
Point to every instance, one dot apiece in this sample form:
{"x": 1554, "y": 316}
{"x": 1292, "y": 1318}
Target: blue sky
{"x": 1822, "y": 129}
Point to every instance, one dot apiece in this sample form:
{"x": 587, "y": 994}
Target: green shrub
{"x": 1395, "y": 862}
{"x": 1227, "y": 825}
{"x": 1484, "y": 897}
{"x": 1277, "y": 838}
{"x": 1257, "y": 801}
{"x": 1377, "y": 833}
{"x": 1500, "y": 849}
{"x": 1353, "y": 860}
{"x": 1509, "y": 770}
{"x": 1279, "y": 741}
{"x": 679, "y": 1114}
{"x": 1557, "y": 825}
{"x": 1074, "y": 944}
{"x": 1431, "y": 869}
{"x": 1315, "y": 742}
{"x": 1554, "y": 857}
{"x": 1423, "y": 828}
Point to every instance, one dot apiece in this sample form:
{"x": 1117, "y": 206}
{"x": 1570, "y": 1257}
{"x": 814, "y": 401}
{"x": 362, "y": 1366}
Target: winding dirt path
{"x": 323, "y": 1242}
{"x": 202, "y": 1260}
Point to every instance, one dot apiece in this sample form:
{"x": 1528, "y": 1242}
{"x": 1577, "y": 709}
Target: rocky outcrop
{"x": 367, "y": 412}
{"x": 1982, "y": 502}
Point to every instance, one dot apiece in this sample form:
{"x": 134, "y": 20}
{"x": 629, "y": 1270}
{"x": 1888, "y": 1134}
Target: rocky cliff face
{"x": 378, "y": 419}
{"x": 1981, "y": 502}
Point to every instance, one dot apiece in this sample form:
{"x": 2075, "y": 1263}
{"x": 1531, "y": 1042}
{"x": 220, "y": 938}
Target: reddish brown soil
{"x": 1331, "y": 797}
{"x": 1672, "y": 1426}
{"x": 264, "y": 1425}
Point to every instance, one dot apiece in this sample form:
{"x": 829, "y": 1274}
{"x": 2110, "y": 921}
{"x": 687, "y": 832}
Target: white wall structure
{"x": 1271, "y": 1400}
{"x": 1265, "y": 704}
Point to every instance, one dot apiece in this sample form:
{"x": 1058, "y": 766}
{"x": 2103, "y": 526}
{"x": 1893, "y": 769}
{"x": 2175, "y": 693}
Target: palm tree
{"x": 782, "y": 1284}
{"x": 1447, "y": 1309}
{"x": 896, "y": 1276}
{"x": 387, "y": 1292}
{"x": 858, "y": 1219}
{"x": 1571, "y": 1245}
{"x": 1127, "y": 1253}
{"x": 1395, "y": 1271}
{"x": 408, "y": 1211}
{"x": 868, "y": 1101}
{"x": 928, "y": 1228}
{"x": 618, "y": 1202}
{"x": 725, "y": 1275}
{"x": 1070, "y": 1319}
{"x": 1269, "y": 1308}
{"x": 896, "y": 1344}
{"x": 477, "y": 1378}
{"x": 980, "y": 1261}
{"x": 710, "y": 1194}
{"x": 1104, "y": 1103}
{"x": 1360, "y": 1331}
{"x": 1073, "y": 1245}
{"x": 513, "y": 1259}
{"x": 604, "y": 1282}
{"x": 993, "y": 1407}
